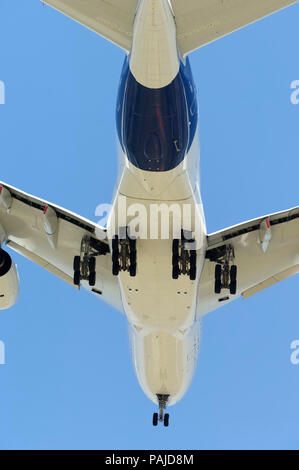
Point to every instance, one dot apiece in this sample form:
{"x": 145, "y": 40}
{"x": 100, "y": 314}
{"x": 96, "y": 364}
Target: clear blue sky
{"x": 68, "y": 381}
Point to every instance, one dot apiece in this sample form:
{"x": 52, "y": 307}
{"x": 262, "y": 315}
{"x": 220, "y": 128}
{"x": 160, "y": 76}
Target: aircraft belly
{"x": 164, "y": 363}
{"x": 153, "y": 299}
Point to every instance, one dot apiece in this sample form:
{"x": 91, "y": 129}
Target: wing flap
{"x": 41, "y": 262}
{"x": 22, "y": 228}
{"x": 258, "y": 267}
{"x": 271, "y": 281}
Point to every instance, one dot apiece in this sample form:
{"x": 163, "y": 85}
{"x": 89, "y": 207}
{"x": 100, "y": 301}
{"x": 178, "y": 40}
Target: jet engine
{"x": 9, "y": 281}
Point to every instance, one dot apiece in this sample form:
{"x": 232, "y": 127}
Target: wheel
{"x": 92, "y": 264}
{"x": 115, "y": 249}
{"x": 166, "y": 419}
{"x": 115, "y": 244}
{"x": 132, "y": 243}
{"x": 92, "y": 279}
{"x": 155, "y": 419}
{"x": 233, "y": 273}
{"x": 192, "y": 273}
{"x": 115, "y": 256}
{"x": 133, "y": 268}
{"x": 175, "y": 247}
{"x": 218, "y": 286}
{"x": 233, "y": 287}
{"x": 115, "y": 268}
{"x": 77, "y": 262}
{"x": 175, "y": 260}
{"x": 218, "y": 272}
{"x": 133, "y": 257}
{"x": 175, "y": 272}
{"x": 193, "y": 259}
{"x": 77, "y": 278}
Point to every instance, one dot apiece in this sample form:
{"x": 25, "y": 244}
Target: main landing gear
{"x": 183, "y": 258}
{"x": 85, "y": 264}
{"x": 225, "y": 269}
{"x": 124, "y": 255}
{"x": 161, "y": 417}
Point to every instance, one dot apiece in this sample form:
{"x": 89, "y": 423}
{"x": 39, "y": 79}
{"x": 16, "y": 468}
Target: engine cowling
{"x": 9, "y": 281}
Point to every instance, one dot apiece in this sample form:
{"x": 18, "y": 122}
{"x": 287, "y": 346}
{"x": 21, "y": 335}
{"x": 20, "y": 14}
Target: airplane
{"x": 163, "y": 284}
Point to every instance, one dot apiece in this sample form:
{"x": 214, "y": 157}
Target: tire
{"x": 92, "y": 279}
{"x": 115, "y": 244}
{"x": 115, "y": 257}
{"x": 132, "y": 243}
{"x": 175, "y": 247}
{"x": 175, "y": 272}
{"x": 77, "y": 278}
{"x": 175, "y": 260}
{"x": 155, "y": 419}
{"x": 233, "y": 287}
{"x": 233, "y": 273}
{"x": 218, "y": 272}
{"x": 218, "y": 286}
{"x": 77, "y": 263}
{"x": 133, "y": 257}
{"x": 192, "y": 273}
{"x": 166, "y": 420}
{"x": 115, "y": 250}
{"x": 193, "y": 259}
{"x": 115, "y": 268}
{"x": 133, "y": 268}
{"x": 92, "y": 264}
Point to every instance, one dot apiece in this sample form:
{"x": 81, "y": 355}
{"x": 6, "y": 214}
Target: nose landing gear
{"x": 161, "y": 417}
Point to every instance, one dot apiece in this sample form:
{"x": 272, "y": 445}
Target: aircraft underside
{"x": 161, "y": 269}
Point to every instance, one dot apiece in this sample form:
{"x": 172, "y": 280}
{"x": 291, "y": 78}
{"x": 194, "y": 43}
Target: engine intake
{"x": 9, "y": 281}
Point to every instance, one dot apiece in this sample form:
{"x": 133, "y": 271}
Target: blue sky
{"x": 68, "y": 381}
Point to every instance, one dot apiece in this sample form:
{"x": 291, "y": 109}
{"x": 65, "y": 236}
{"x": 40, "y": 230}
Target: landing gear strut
{"x": 85, "y": 264}
{"x": 183, "y": 258}
{"x": 161, "y": 417}
{"x": 124, "y": 255}
{"x": 225, "y": 269}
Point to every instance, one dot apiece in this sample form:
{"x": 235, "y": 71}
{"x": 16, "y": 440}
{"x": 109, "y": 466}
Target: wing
{"x": 202, "y": 21}
{"x": 51, "y": 237}
{"x": 112, "y": 19}
{"x": 198, "y": 21}
{"x": 266, "y": 251}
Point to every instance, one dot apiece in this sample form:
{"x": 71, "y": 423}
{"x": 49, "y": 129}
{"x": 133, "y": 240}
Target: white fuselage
{"x": 161, "y": 311}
